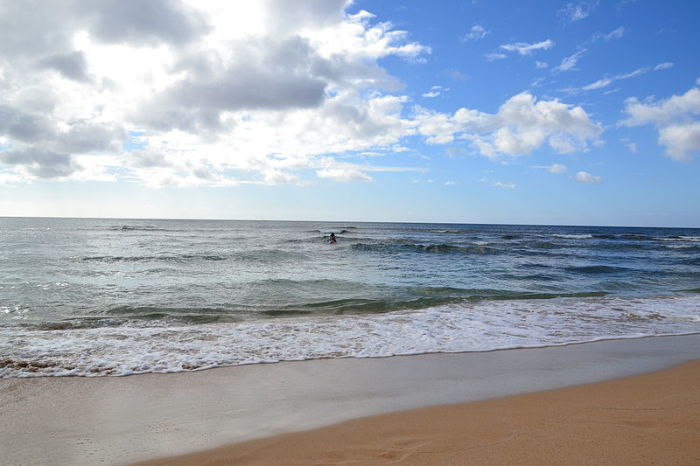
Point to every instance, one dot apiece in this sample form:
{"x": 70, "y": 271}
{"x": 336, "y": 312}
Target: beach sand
{"x": 121, "y": 420}
{"x": 647, "y": 419}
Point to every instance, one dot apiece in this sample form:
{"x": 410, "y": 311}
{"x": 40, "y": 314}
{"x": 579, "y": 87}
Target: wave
{"x": 693, "y": 261}
{"x": 139, "y": 228}
{"x": 595, "y": 269}
{"x": 427, "y": 248}
{"x": 189, "y": 315}
{"x": 144, "y": 347}
{"x": 692, "y": 239}
{"x": 414, "y": 298}
{"x": 255, "y": 255}
{"x": 151, "y": 258}
{"x": 447, "y": 231}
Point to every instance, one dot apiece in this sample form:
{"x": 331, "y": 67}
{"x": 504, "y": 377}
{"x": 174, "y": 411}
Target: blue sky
{"x": 584, "y": 112}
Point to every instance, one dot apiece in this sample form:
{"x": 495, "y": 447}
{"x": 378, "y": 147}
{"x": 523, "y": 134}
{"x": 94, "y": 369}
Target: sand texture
{"x": 647, "y": 419}
{"x": 120, "y": 420}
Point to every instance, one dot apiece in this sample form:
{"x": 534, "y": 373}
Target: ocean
{"x": 109, "y": 297}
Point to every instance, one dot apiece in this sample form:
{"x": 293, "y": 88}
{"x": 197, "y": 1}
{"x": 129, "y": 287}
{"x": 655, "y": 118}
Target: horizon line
{"x": 341, "y": 221}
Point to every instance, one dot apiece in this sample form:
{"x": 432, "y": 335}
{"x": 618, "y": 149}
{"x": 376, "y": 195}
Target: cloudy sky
{"x": 545, "y": 112}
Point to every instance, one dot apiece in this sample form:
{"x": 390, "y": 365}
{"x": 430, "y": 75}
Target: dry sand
{"x": 647, "y": 419}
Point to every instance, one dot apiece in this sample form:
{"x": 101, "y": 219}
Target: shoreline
{"x": 120, "y": 420}
{"x": 642, "y": 419}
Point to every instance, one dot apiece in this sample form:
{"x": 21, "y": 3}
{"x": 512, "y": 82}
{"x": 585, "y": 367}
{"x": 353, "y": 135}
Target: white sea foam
{"x": 573, "y": 236}
{"x": 485, "y": 326}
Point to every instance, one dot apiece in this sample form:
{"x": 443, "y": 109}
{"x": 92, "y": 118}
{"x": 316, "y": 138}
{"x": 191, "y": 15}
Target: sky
{"x": 540, "y": 112}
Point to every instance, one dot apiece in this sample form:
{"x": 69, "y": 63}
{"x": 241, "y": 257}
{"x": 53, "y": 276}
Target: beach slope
{"x": 646, "y": 419}
{"x": 118, "y": 420}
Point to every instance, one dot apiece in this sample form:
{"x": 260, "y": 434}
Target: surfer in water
{"x": 332, "y": 239}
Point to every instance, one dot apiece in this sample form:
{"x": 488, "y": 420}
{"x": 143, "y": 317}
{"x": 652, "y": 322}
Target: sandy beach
{"x": 120, "y": 420}
{"x": 647, "y": 419}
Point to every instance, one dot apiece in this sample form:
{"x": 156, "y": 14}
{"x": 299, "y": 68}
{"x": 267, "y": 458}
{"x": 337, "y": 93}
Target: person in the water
{"x": 332, "y": 239}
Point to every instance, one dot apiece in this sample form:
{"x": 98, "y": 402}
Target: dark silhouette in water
{"x": 332, "y": 239}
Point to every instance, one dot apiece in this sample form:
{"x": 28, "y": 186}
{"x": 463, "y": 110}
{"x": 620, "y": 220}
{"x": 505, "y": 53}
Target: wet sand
{"x": 118, "y": 420}
{"x": 647, "y": 419}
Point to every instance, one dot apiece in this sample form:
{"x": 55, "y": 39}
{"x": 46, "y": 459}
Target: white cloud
{"x": 475, "y": 33}
{"x": 541, "y": 65}
{"x": 615, "y": 34}
{"x": 605, "y": 82}
{"x": 632, "y": 146}
{"x": 458, "y": 75}
{"x": 434, "y": 91}
{"x": 8, "y": 179}
{"x": 522, "y": 124}
{"x": 578, "y": 10}
{"x": 343, "y": 174}
{"x": 450, "y": 183}
{"x": 680, "y": 140}
{"x": 676, "y": 119}
{"x": 495, "y": 56}
{"x": 663, "y": 66}
{"x": 523, "y": 48}
{"x": 585, "y": 177}
{"x": 569, "y": 63}
{"x": 221, "y": 93}
{"x": 556, "y": 168}
{"x": 501, "y": 185}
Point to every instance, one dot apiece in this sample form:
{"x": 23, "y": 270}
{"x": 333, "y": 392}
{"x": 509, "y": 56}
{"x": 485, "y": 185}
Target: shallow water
{"x": 116, "y": 297}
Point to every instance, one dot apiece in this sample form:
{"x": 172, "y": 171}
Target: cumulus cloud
{"x": 556, "y": 168}
{"x": 138, "y": 23}
{"x": 435, "y": 91}
{"x": 222, "y": 93}
{"x": 71, "y": 65}
{"x": 676, "y": 119}
{"x": 39, "y": 162}
{"x": 585, "y": 177}
{"x": 524, "y": 48}
{"x": 521, "y": 125}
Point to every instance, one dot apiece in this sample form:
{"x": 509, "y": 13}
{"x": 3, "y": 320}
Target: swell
{"x": 409, "y": 299}
{"x": 253, "y": 255}
{"x": 423, "y": 248}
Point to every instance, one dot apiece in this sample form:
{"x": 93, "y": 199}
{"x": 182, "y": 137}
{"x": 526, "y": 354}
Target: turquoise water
{"x": 115, "y": 297}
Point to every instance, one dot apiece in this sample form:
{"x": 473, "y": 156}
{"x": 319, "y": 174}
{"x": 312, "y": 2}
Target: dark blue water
{"x": 102, "y": 297}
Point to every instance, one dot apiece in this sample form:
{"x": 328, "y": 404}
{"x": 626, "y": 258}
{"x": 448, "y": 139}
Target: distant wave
{"x": 428, "y": 248}
{"x": 595, "y": 269}
{"x": 253, "y": 255}
{"x": 153, "y": 258}
{"x": 139, "y": 228}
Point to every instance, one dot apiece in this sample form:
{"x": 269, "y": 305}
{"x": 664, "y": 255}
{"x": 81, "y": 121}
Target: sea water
{"x": 89, "y": 297}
